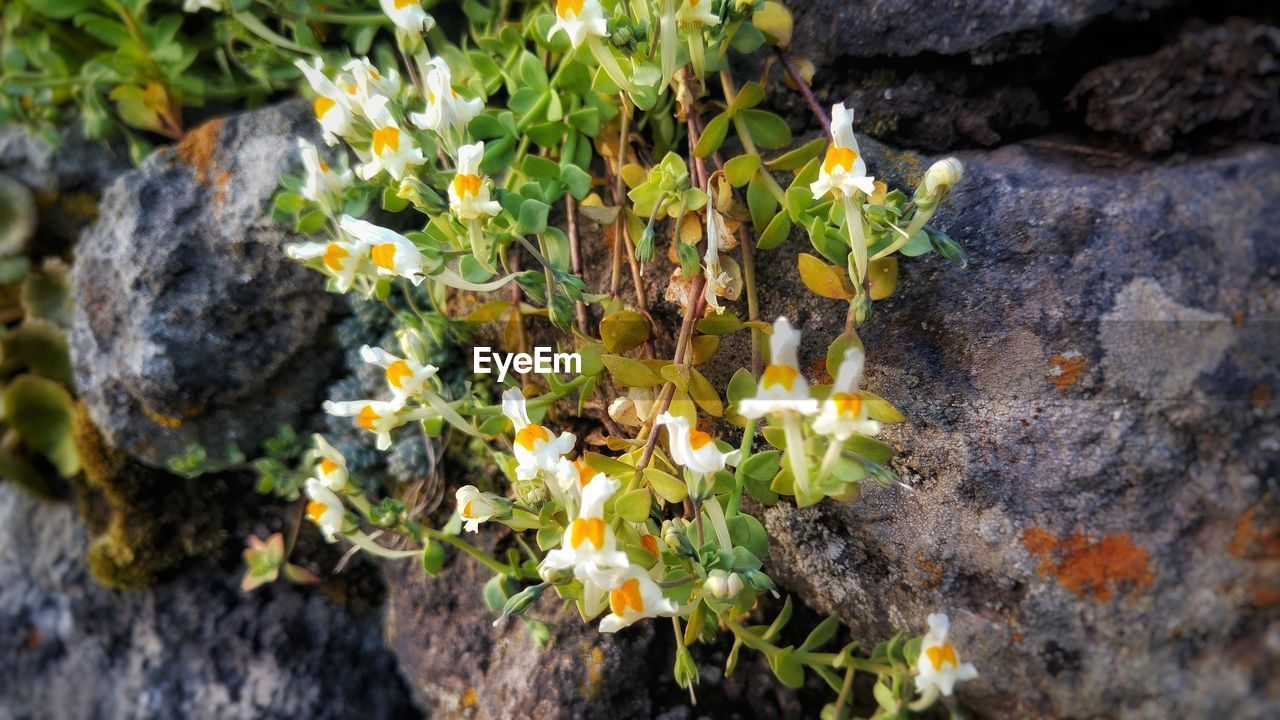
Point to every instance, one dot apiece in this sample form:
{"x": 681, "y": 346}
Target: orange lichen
{"x": 1066, "y": 370}
{"x": 1260, "y": 395}
{"x": 1253, "y": 539}
{"x": 198, "y": 147}
{"x": 469, "y": 698}
{"x": 1094, "y": 570}
{"x": 933, "y": 571}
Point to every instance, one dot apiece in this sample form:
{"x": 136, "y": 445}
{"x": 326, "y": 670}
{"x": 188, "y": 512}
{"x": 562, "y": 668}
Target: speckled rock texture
{"x": 1090, "y": 453}
{"x": 191, "y": 325}
{"x": 195, "y": 647}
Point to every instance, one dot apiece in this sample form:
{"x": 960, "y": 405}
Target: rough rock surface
{"x": 196, "y": 647}
{"x": 191, "y": 325}
{"x": 1091, "y": 439}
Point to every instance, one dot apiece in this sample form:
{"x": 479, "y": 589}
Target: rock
{"x": 191, "y": 325}
{"x": 828, "y": 29}
{"x": 196, "y": 647}
{"x": 1090, "y": 445}
{"x": 1221, "y": 77}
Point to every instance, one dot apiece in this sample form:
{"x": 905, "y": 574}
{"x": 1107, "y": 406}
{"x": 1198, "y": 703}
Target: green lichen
{"x": 144, "y": 522}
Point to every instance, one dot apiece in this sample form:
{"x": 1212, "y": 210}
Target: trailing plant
{"x": 618, "y": 116}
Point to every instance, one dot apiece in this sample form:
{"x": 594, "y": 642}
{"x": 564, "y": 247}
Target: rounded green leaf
{"x": 42, "y": 413}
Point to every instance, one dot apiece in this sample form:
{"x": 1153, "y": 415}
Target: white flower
{"x": 408, "y": 15}
{"x": 476, "y": 507}
{"x": 325, "y": 509}
{"x": 635, "y": 596}
{"x": 782, "y": 386}
{"x": 376, "y": 416}
{"x": 535, "y": 448}
{"x": 943, "y": 174}
{"x": 322, "y": 183}
{"x": 589, "y": 545}
{"x": 469, "y": 190}
{"x": 939, "y": 667}
{"x": 844, "y": 414}
{"x": 697, "y": 11}
{"x": 574, "y": 475}
{"x": 406, "y": 377}
{"x": 843, "y": 169}
{"x": 393, "y": 253}
{"x": 446, "y": 113}
{"x": 331, "y": 471}
{"x": 340, "y": 259}
{"x": 198, "y": 5}
{"x": 391, "y": 149}
{"x": 579, "y": 19}
{"x": 693, "y": 448}
{"x": 370, "y": 88}
{"x": 332, "y": 107}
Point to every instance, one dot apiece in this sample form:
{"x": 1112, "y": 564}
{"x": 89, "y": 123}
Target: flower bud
{"x": 673, "y": 535}
{"x": 520, "y": 602}
{"x": 421, "y": 196}
{"x": 723, "y": 585}
{"x": 555, "y": 575}
{"x": 943, "y": 175}
{"x": 759, "y": 580}
{"x": 645, "y": 246}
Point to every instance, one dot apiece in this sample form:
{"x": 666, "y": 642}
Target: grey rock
{"x": 1090, "y": 446}
{"x": 826, "y": 29}
{"x": 68, "y": 162}
{"x": 195, "y": 647}
{"x": 191, "y": 325}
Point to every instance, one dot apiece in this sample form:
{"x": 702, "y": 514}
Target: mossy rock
{"x": 145, "y": 522}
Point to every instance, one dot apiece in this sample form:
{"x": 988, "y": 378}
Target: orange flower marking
{"x": 322, "y": 105}
{"x": 327, "y": 466}
{"x": 402, "y": 4}
{"x": 587, "y": 529}
{"x": 530, "y": 434}
{"x": 847, "y": 404}
{"x": 783, "y": 375}
{"x": 939, "y": 654}
{"x": 466, "y": 185}
{"x": 466, "y": 510}
{"x": 334, "y": 254}
{"x": 697, "y": 439}
{"x": 386, "y": 138}
{"x": 367, "y": 418}
{"x": 650, "y": 543}
{"x": 565, "y": 8}
{"x": 324, "y": 166}
{"x": 397, "y": 372}
{"x": 384, "y": 255}
{"x": 839, "y": 157}
{"x": 585, "y": 471}
{"x": 626, "y": 596}
{"x": 316, "y": 510}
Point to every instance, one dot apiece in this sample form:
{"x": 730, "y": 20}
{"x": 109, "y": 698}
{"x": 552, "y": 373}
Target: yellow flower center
{"x": 352, "y": 88}
{"x": 327, "y": 466}
{"x": 847, "y": 404}
{"x": 698, "y": 439}
{"x": 530, "y": 434}
{"x": 386, "y": 138}
{"x": 384, "y": 255}
{"x": 324, "y": 166}
{"x": 397, "y": 372}
{"x": 839, "y": 157}
{"x": 334, "y": 254}
{"x": 628, "y": 595}
{"x": 466, "y": 511}
{"x": 939, "y": 654}
{"x": 322, "y": 105}
{"x": 367, "y": 418}
{"x": 316, "y": 510}
{"x": 566, "y": 8}
{"x": 783, "y": 375}
{"x": 585, "y": 471}
{"x": 402, "y": 4}
{"x": 466, "y": 185}
{"x": 587, "y": 529}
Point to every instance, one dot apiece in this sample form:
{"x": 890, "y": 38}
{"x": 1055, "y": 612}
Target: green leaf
{"x": 623, "y": 330}
{"x": 40, "y": 347}
{"x": 722, "y": 324}
{"x": 703, "y": 393}
{"x": 788, "y": 669}
{"x": 762, "y": 204}
{"x": 768, "y": 130}
{"x": 535, "y": 166}
{"x": 757, "y": 473}
{"x": 586, "y": 120}
{"x": 310, "y": 223}
{"x": 631, "y": 373}
{"x": 532, "y": 219}
{"x": 633, "y": 506}
{"x": 741, "y": 169}
{"x": 778, "y": 230}
{"x": 822, "y": 279}
{"x": 746, "y": 531}
{"x": 712, "y": 136}
{"x": 749, "y": 95}
{"x": 879, "y": 409}
{"x": 433, "y": 557}
{"x": 870, "y": 448}
{"x": 835, "y": 351}
{"x": 741, "y": 385}
{"x": 797, "y": 158}
{"x": 667, "y": 486}
{"x": 820, "y": 634}
{"x": 577, "y": 180}
{"x": 391, "y": 202}
{"x": 46, "y": 295}
{"x": 531, "y": 72}
{"x": 42, "y": 413}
